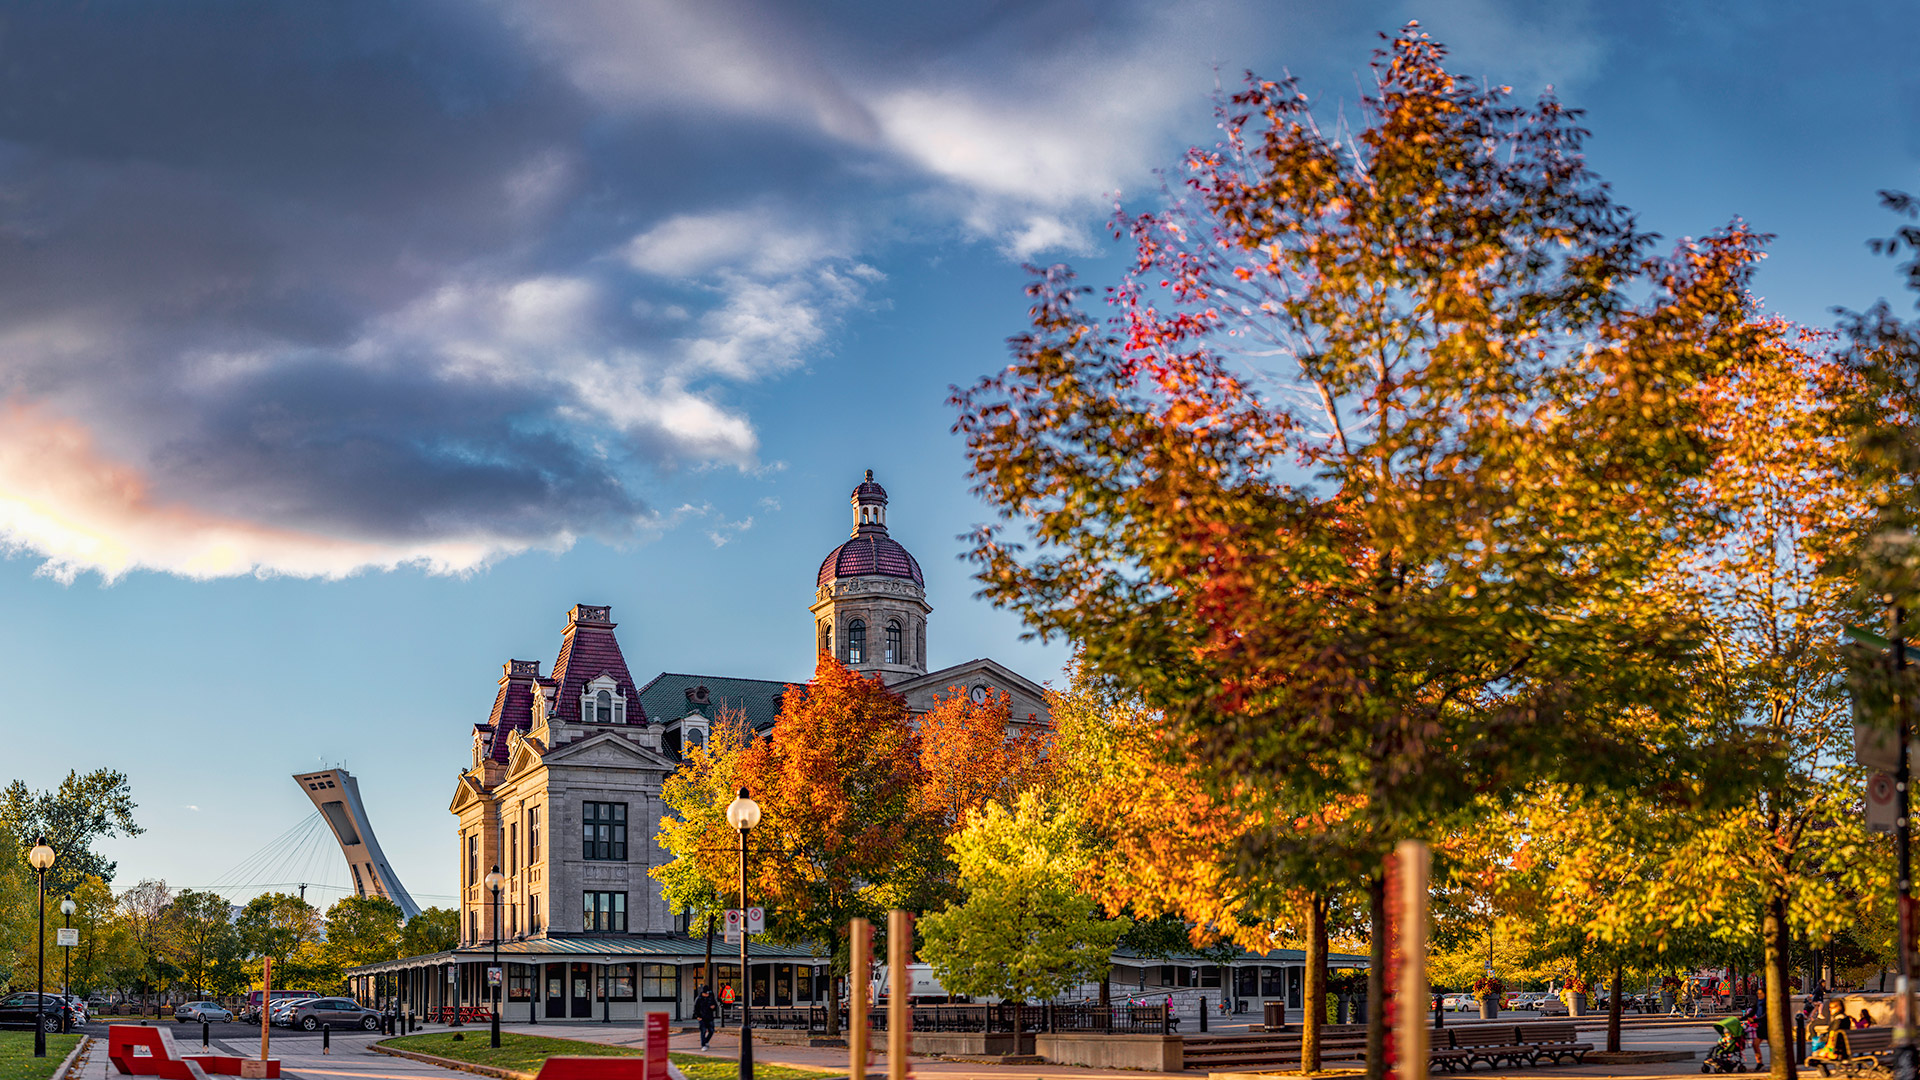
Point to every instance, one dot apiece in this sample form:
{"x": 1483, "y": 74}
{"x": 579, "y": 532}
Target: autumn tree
{"x": 1025, "y": 931}
{"x": 108, "y": 955}
{"x": 1362, "y": 484}
{"x": 697, "y": 880}
{"x": 842, "y": 832}
{"x": 973, "y": 755}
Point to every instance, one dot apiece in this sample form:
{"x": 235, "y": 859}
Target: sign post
{"x": 66, "y": 938}
{"x": 656, "y": 1046}
{"x": 266, "y": 1001}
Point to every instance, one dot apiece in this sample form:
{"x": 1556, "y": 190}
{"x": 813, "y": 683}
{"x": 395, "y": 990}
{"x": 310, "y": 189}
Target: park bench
{"x": 1868, "y": 1054}
{"x": 1491, "y": 1044}
{"x": 1557, "y": 1041}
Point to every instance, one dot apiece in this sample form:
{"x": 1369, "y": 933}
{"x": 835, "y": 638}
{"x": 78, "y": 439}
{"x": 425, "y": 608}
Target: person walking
{"x": 703, "y": 1010}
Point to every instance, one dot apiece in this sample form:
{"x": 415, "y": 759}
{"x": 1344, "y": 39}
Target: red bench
{"x": 164, "y": 1060}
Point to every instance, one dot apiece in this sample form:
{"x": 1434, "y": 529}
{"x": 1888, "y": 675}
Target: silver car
{"x": 335, "y": 1012}
{"x": 203, "y": 1011}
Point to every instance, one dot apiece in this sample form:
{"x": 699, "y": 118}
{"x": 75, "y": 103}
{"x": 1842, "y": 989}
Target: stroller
{"x": 1729, "y": 1054}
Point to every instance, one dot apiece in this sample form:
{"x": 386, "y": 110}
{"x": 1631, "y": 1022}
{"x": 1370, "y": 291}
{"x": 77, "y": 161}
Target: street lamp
{"x": 67, "y": 908}
{"x": 41, "y": 858}
{"x": 493, "y": 885}
{"x": 743, "y": 814}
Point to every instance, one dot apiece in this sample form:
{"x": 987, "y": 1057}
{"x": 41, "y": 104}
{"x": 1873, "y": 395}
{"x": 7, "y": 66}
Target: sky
{"x": 344, "y": 346}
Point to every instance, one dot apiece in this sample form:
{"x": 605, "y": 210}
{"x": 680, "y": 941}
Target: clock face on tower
{"x": 979, "y": 695}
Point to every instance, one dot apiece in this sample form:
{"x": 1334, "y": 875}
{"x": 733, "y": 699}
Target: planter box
{"x": 1149, "y": 1053}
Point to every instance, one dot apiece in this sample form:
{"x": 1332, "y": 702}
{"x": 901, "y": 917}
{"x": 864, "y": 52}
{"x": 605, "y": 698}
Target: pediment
{"x": 963, "y": 674}
{"x": 607, "y": 748}
{"x": 526, "y": 755}
{"x": 467, "y": 794}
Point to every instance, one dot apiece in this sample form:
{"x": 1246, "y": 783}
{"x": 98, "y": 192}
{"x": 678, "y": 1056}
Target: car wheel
{"x": 311, "y": 1023}
{"x": 368, "y": 1023}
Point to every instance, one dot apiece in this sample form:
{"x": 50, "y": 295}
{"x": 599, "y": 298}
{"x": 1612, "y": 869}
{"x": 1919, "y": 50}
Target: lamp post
{"x": 41, "y": 858}
{"x": 67, "y": 908}
{"x": 743, "y": 814}
{"x": 493, "y": 885}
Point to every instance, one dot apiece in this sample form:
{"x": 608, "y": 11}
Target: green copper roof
{"x": 689, "y": 950}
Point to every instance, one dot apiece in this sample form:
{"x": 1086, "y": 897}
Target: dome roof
{"x": 870, "y": 553}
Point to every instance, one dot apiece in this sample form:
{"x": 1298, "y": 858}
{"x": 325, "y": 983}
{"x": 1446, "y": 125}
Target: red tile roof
{"x": 587, "y": 651}
{"x": 513, "y": 705}
{"x": 871, "y": 552}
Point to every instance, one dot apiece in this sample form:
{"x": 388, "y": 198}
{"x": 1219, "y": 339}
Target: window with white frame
{"x": 603, "y": 703}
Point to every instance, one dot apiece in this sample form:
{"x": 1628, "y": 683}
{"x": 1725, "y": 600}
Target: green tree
{"x": 1025, "y": 931}
{"x": 85, "y": 808}
{"x": 697, "y": 796}
{"x": 278, "y": 925}
{"x": 108, "y": 956}
{"x": 364, "y": 930}
{"x": 143, "y": 910}
{"x": 1363, "y": 487}
{"x": 203, "y": 941}
{"x": 434, "y": 930}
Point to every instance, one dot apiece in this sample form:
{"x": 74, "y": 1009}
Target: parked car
{"x": 336, "y": 1012}
{"x": 202, "y": 1011}
{"x": 277, "y": 1011}
{"x": 24, "y": 1010}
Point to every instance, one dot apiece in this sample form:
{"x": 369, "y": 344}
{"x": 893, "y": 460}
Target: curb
{"x": 67, "y": 1063}
{"x": 451, "y": 1063}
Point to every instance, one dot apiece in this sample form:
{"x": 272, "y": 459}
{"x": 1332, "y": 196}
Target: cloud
{"x": 193, "y": 808}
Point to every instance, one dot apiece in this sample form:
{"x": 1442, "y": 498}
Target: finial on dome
{"x": 869, "y": 476}
{"x": 869, "y": 505}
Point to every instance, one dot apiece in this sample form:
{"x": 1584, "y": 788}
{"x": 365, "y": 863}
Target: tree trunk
{"x": 1106, "y": 988}
{"x": 1613, "y": 1013}
{"x": 1313, "y": 1013}
{"x": 706, "y": 972}
{"x": 1377, "y": 979}
{"x": 1779, "y": 990}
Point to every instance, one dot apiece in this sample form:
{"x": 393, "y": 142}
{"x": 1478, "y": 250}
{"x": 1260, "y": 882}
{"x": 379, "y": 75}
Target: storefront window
{"x": 1209, "y": 976}
{"x": 1246, "y": 982}
{"x": 659, "y": 982}
{"x": 726, "y": 975}
{"x": 622, "y": 987}
{"x": 519, "y": 982}
{"x": 806, "y": 984}
{"x": 1270, "y": 984}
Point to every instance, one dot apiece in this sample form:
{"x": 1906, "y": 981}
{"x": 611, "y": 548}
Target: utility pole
{"x": 1904, "y": 1052}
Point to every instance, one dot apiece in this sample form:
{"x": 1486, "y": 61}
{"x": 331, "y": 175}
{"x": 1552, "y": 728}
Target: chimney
{"x": 590, "y": 615}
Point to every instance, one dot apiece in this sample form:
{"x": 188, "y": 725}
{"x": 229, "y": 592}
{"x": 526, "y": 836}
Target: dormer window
{"x": 603, "y": 703}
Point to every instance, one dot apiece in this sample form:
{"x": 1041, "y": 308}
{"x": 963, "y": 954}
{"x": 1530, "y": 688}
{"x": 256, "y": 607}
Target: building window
{"x": 473, "y": 927}
{"x": 604, "y": 912}
{"x": 473, "y": 858}
{"x": 519, "y": 982}
{"x": 696, "y": 738}
{"x": 513, "y": 848}
{"x": 533, "y": 913}
{"x": 659, "y": 982}
{"x": 893, "y": 644}
{"x": 603, "y": 707}
{"x": 533, "y": 836}
{"x": 856, "y": 642}
{"x": 513, "y": 919}
{"x": 603, "y": 829}
{"x": 826, "y": 639}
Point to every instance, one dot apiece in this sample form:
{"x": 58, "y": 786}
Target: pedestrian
{"x": 1819, "y": 990}
{"x": 703, "y": 1009}
{"x": 1865, "y": 1021}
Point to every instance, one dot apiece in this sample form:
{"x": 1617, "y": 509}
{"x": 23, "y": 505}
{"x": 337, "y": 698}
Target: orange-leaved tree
{"x": 1362, "y": 486}
{"x": 842, "y": 832}
{"x": 974, "y": 755}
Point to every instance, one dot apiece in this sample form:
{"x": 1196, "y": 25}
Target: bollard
{"x": 1439, "y": 1015}
{"x": 1799, "y": 1037}
{"x": 1205, "y": 1008}
{"x": 206, "y": 1040}
{"x": 326, "y": 1038}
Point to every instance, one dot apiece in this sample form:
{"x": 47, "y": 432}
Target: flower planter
{"x": 1489, "y": 1008}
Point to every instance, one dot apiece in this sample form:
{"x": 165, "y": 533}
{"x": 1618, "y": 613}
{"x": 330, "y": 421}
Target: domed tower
{"x": 870, "y": 604}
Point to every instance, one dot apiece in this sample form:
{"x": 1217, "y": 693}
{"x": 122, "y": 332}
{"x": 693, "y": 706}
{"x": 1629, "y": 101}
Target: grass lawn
{"x": 526, "y": 1053}
{"x": 702, "y": 1067}
{"x": 16, "y": 1055}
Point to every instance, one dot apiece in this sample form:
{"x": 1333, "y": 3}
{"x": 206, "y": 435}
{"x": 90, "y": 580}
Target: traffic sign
{"x": 1882, "y": 809}
{"x": 66, "y": 936}
{"x": 733, "y": 923}
{"x": 756, "y": 920}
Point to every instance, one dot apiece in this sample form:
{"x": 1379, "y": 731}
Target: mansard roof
{"x": 588, "y": 650}
{"x": 513, "y": 705}
{"x": 666, "y": 697}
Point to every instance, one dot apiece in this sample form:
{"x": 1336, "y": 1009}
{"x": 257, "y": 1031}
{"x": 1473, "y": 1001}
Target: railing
{"x": 991, "y": 1019}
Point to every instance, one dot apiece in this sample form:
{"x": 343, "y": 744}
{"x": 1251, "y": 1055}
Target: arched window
{"x": 856, "y": 642}
{"x": 603, "y": 707}
{"x": 893, "y": 642}
{"x": 826, "y": 639}
{"x": 696, "y": 737}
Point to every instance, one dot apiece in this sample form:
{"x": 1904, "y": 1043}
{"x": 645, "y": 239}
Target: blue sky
{"x": 344, "y": 346}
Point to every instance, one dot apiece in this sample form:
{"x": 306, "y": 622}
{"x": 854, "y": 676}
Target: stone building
{"x": 561, "y": 792}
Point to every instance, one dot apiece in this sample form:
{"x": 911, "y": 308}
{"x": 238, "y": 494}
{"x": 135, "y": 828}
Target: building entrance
{"x": 582, "y": 991}
{"x": 556, "y": 980}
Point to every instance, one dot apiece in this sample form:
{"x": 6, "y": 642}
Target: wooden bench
{"x": 1491, "y": 1044}
{"x": 1869, "y": 1053}
{"x": 1557, "y": 1041}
